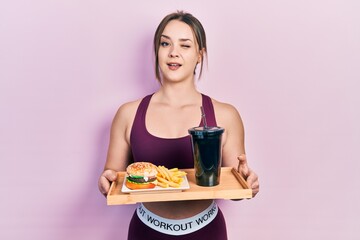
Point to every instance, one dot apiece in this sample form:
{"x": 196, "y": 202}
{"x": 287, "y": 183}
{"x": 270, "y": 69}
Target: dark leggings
{"x": 216, "y": 230}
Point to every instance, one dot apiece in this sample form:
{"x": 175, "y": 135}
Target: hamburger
{"x": 141, "y": 175}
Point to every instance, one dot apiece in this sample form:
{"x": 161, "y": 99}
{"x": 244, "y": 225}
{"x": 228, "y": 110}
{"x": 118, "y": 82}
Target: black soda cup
{"x": 206, "y": 144}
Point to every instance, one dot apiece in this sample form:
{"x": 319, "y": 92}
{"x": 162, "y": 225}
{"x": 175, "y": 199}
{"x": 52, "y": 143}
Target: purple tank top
{"x": 169, "y": 152}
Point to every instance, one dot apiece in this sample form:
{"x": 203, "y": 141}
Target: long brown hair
{"x": 195, "y": 26}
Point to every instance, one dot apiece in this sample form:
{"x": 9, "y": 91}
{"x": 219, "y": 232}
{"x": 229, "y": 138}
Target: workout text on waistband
{"x": 177, "y": 226}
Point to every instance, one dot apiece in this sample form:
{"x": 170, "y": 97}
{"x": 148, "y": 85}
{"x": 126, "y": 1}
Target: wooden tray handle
{"x": 241, "y": 180}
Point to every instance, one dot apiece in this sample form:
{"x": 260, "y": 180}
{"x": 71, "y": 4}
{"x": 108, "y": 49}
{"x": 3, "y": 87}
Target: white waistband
{"x": 177, "y": 226}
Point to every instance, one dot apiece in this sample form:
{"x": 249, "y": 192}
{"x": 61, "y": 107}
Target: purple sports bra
{"x": 169, "y": 152}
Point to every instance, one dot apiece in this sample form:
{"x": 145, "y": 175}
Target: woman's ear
{"x": 201, "y": 54}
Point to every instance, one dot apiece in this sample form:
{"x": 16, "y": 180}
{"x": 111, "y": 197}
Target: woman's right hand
{"x": 105, "y": 180}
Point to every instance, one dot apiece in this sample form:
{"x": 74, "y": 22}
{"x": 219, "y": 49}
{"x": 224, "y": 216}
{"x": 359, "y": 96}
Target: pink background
{"x": 292, "y": 68}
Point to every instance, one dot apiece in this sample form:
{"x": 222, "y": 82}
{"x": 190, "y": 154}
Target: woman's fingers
{"x": 104, "y": 182}
{"x": 110, "y": 175}
{"x": 104, "y": 185}
{"x": 243, "y": 168}
{"x": 250, "y": 176}
{"x": 253, "y": 182}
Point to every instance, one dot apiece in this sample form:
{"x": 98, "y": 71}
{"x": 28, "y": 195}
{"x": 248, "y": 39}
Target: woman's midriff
{"x": 178, "y": 209}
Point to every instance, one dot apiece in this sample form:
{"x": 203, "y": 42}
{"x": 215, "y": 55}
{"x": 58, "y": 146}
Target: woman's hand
{"x": 105, "y": 179}
{"x": 249, "y": 175}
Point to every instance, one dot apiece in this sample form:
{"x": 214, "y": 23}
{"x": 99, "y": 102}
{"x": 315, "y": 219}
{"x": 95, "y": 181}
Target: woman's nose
{"x": 173, "y": 52}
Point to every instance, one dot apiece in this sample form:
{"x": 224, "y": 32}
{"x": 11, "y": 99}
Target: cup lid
{"x": 208, "y": 130}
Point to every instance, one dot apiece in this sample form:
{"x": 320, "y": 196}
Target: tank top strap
{"x": 139, "y": 120}
{"x": 209, "y": 111}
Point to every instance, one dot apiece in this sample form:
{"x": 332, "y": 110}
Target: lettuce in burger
{"x": 141, "y": 175}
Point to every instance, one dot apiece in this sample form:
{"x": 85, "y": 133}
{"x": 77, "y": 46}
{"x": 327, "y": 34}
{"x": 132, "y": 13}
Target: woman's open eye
{"x": 164, "y": 44}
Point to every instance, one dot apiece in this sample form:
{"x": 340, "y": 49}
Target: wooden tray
{"x": 232, "y": 186}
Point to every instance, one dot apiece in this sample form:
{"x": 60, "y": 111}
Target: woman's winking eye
{"x": 165, "y": 43}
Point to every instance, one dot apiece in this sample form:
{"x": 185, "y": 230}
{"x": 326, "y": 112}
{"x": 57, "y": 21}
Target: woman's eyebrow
{"x": 181, "y": 39}
{"x": 165, "y": 36}
{"x": 185, "y": 39}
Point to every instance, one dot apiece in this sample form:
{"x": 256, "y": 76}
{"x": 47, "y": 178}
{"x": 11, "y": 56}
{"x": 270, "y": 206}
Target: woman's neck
{"x": 178, "y": 94}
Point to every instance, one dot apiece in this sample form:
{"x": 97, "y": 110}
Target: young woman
{"x": 155, "y": 129}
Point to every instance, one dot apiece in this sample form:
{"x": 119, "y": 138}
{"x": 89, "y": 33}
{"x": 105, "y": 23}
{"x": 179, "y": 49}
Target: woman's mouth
{"x": 174, "y": 66}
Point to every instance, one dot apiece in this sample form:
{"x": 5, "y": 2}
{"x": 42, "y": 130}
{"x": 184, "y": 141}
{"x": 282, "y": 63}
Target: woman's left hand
{"x": 249, "y": 175}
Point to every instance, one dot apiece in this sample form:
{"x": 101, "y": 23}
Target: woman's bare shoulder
{"x": 227, "y": 116}
{"x": 225, "y": 110}
{"x": 126, "y": 112}
{"x": 129, "y": 106}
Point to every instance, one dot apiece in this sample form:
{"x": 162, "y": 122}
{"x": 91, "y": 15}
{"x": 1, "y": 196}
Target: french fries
{"x": 169, "y": 177}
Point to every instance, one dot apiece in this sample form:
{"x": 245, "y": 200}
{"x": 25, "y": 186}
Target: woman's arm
{"x": 119, "y": 151}
{"x": 233, "y": 151}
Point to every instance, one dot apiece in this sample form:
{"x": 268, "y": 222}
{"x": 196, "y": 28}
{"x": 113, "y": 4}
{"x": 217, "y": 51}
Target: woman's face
{"x": 178, "y": 52}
